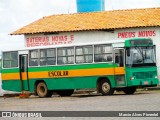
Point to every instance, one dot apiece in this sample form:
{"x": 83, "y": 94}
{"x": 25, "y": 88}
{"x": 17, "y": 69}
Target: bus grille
{"x": 143, "y": 75}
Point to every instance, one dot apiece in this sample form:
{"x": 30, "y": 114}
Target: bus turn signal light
{"x": 131, "y": 78}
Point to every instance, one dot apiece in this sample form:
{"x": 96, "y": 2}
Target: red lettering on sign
{"x": 59, "y": 38}
{"x": 126, "y": 34}
{"x": 49, "y": 40}
{"x": 37, "y": 39}
{"x": 72, "y": 37}
{"x": 146, "y": 33}
{"x": 62, "y": 39}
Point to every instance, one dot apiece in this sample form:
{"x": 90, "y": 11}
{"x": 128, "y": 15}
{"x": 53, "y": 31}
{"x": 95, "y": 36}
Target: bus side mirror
{"x": 128, "y": 52}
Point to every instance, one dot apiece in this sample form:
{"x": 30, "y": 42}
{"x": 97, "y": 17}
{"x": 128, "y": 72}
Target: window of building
{"x": 10, "y": 59}
{"x": 84, "y": 54}
{"x": 65, "y": 55}
{"x": 33, "y": 57}
{"x": 47, "y": 57}
{"x": 102, "y": 53}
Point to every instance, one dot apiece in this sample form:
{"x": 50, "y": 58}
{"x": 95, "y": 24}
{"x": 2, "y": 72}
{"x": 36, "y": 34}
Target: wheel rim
{"x": 106, "y": 87}
{"x": 41, "y": 90}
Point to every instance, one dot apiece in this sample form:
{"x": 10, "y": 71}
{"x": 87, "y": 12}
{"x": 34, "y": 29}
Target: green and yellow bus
{"x": 106, "y": 66}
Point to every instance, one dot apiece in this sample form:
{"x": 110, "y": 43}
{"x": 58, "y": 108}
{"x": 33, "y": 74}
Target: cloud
{"x": 11, "y": 42}
{"x": 15, "y": 14}
{"x": 131, "y": 4}
{"x": 64, "y": 6}
{"x": 18, "y": 13}
{"x": 1, "y": 9}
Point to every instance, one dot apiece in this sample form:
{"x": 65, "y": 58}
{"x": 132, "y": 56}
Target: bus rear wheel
{"x": 42, "y": 90}
{"x": 129, "y": 90}
{"x": 65, "y": 92}
{"x": 105, "y": 87}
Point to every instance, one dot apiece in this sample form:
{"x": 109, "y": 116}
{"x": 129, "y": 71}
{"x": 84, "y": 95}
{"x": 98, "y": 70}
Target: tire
{"x": 65, "y": 93}
{"x": 105, "y": 87}
{"x": 129, "y": 90}
{"x": 42, "y": 90}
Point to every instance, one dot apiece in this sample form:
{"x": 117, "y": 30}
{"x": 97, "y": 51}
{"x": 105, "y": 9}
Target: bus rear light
{"x": 131, "y": 78}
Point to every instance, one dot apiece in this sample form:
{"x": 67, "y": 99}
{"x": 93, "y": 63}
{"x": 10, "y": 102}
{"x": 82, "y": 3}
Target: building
{"x": 94, "y": 26}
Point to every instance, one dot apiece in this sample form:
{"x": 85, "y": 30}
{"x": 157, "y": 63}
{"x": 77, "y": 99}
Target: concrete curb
{"x": 154, "y": 88}
{"x": 11, "y": 95}
{"x": 150, "y": 88}
{"x": 78, "y": 92}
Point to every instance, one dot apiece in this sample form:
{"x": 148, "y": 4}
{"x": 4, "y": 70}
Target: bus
{"x": 105, "y": 66}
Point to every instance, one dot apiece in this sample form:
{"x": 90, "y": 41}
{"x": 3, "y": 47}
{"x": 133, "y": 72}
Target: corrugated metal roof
{"x": 93, "y": 21}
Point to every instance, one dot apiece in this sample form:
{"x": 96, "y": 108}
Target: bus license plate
{"x": 146, "y": 83}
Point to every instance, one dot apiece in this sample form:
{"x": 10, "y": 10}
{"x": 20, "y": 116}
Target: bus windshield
{"x": 141, "y": 56}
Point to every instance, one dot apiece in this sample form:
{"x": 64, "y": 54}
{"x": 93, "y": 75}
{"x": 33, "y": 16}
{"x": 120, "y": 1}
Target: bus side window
{"x": 43, "y": 62}
{"x": 60, "y": 61}
{"x": 119, "y": 60}
{"x": 33, "y": 57}
{"x": 10, "y": 59}
{"x": 84, "y": 54}
{"x": 103, "y": 53}
{"x": 65, "y": 55}
{"x": 47, "y": 57}
{"x": 98, "y": 59}
{"x": 34, "y": 63}
{"x": 109, "y": 58}
{"x": 51, "y": 61}
{"x": 116, "y": 59}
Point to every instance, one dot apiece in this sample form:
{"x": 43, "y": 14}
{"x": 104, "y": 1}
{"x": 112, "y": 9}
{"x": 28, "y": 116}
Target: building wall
{"x": 96, "y": 36}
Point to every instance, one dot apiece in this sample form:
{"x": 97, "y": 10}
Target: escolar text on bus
{"x": 57, "y": 73}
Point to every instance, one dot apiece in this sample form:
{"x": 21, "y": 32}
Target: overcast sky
{"x": 15, "y": 14}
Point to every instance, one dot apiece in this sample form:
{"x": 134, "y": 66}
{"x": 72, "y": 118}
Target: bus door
{"x": 119, "y": 67}
{"x": 23, "y": 64}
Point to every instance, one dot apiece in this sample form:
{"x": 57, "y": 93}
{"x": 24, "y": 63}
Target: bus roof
{"x": 138, "y": 42}
{"x": 127, "y": 43}
{"x": 64, "y": 45}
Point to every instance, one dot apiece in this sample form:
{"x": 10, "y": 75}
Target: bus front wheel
{"x": 42, "y": 90}
{"x": 129, "y": 90}
{"x": 105, "y": 87}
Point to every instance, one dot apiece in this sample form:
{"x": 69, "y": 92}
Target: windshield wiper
{"x": 141, "y": 52}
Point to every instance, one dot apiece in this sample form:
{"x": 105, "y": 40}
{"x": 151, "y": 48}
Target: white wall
{"x": 96, "y": 36}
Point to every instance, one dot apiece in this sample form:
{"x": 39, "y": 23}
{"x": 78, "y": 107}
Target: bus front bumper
{"x": 143, "y": 83}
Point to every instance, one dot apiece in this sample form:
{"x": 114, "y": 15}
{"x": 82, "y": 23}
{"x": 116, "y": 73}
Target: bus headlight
{"x": 131, "y": 78}
{"x": 156, "y": 76}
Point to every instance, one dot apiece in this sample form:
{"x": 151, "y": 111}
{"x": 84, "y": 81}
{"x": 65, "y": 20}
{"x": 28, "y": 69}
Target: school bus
{"x": 107, "y": 66}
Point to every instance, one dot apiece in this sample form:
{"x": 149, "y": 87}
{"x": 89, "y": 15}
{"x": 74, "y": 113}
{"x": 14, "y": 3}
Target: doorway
{"x": 23, "y": 62}
{"x": 119, "y": 69}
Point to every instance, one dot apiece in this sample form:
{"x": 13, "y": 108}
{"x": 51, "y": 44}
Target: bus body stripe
{"x": 10, "y": 76}
{"x": 68, "y": 73}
